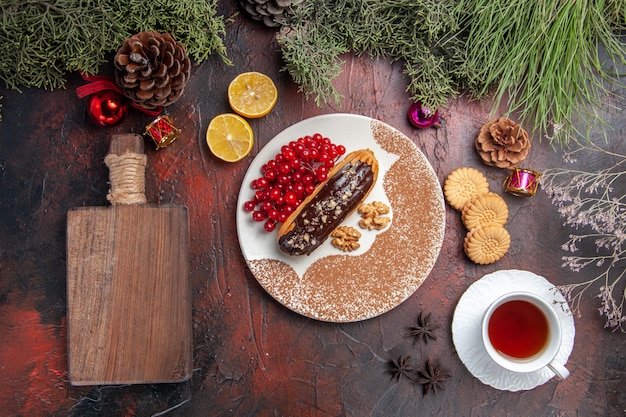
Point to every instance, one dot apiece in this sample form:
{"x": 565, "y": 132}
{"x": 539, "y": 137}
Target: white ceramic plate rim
{"x": 354, "y": 132}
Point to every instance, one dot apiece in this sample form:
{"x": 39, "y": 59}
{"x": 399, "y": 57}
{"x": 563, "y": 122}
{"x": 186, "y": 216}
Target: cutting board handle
{"x": 127, "y": 169}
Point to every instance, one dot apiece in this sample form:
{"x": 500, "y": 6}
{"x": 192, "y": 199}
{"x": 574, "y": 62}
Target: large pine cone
{"x": 270, "y": 12}
{"x": 152, "y": 69}
{"x": 502, "y": 143}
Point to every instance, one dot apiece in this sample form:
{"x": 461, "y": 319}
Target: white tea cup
{"x": 522, "y": 333}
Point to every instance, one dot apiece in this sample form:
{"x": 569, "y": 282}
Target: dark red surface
{"x": 252, "y": 356}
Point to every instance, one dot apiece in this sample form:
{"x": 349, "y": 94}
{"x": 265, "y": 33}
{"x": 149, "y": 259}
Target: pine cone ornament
{"x": 270, "y": 12}
{"x": 502, "y": 143}
{"x": 152, "y": 69}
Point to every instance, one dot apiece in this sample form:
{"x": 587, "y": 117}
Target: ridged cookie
{"x": 485, "y": 209}
{"x": 462, "y": 185}
{"x": 487, "y": 244}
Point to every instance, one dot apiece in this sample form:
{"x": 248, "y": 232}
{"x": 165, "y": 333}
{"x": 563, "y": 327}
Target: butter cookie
{"x": 462, "y": 185}
{"x": 487, "y": 244}
{"x": 485, "y": 209}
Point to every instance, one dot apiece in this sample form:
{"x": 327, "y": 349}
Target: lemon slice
{"x": 229, "y": 137}
{"x": 252, "y": 94}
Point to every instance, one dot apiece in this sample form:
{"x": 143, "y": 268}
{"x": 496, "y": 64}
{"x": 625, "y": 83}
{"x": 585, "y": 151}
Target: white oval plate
{"x": 389, "y": 266}
{"x": 466, "y": 327}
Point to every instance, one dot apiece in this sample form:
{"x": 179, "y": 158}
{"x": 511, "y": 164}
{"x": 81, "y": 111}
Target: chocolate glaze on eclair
{"x": 348, "y": 184}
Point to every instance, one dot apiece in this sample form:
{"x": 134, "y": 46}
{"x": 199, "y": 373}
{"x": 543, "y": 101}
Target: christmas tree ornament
{"x": 152, "y": 69}
{"x": 423, "y": 117}
{"x": 101, "y": 87}
{"x": 522, "y": 182}
{"x": 162, "y": 131}
{"x": 107, "y": 108}
{"x": 270, "y": 12}
{"x": 502, "y": 143}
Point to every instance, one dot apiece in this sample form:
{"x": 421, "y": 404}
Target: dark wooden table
{"x": 251, "y": 355}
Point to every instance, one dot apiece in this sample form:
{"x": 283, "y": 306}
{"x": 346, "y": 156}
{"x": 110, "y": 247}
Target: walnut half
{"x": 377, "y": 223}
{"x": 371, "y": 218}
{"x": 346, "y": 238}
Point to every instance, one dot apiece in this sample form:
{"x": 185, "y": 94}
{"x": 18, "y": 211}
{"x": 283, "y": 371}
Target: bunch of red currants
{"x": 290, "y": 177}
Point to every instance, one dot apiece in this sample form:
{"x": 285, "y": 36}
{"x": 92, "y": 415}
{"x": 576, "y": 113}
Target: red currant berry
{"x": 289, "y": 154}
{"x": 341, "y": 149}
{"x": 298, "y": 189}
{"x": 262, "y": 183}
{"x": 295, "y": 163}
{"x": 284, "y": 168}
{"x": 266, "y": 206}
{"x": 299, "y": 148}
{"x": 305, "y": 155}
{"x": 282, "y": 216}
{"x": 290, "y": 198}
{"x": 270, "y": 174}
{"x": 283, "y": 179}
{"x": 272, "y": 214}
{"x": 290, "y": 208}
{"x": 249, "y": 206}
{"x": 269, "y": 226}
{"x": 258, "y": 216}
{"x": 275, "y": 194}
{"x": 259, "y": 196}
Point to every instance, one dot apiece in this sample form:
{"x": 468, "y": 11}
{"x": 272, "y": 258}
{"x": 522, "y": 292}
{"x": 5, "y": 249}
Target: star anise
{"x": 423, "y": 330}
{"x": 400, "y": 367}
{"x": 431, "y": 377}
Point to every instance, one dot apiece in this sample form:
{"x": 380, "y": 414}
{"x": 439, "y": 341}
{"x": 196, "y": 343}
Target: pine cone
{"x": 152, "y": 69}
{"x": 270, "y": 12}
{"x": 502, "y": 143}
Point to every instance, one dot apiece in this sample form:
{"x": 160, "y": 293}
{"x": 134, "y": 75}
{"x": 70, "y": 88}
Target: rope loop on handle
{"x": 127, "y": 175}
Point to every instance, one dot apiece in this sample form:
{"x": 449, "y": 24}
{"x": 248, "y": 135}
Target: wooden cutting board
{"x": 129, "y": 296}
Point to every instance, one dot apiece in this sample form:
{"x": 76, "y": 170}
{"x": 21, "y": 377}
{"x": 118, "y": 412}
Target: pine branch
{"x": 40, "y": 41}
{"x": 543, "y": 58}
{"x": 416, "y": 32}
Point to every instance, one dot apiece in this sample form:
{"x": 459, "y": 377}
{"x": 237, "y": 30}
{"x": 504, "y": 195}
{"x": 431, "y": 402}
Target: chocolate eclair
{"x": 333, "y": 200}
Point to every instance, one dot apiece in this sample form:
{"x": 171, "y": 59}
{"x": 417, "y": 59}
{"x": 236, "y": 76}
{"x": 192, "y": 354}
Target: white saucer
{"x": 466, "y": 327}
